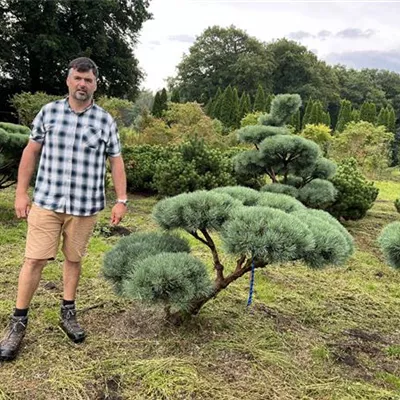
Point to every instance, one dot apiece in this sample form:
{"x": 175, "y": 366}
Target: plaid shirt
{"x": 72, "y": 166}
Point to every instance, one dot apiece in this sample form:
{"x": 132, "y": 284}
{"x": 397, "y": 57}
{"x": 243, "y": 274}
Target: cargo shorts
{"x": 45, "y": 228}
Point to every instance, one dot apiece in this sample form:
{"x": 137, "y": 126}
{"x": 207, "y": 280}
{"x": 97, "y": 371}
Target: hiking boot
{"x": 70, "y": 325}
{"x": 11, "y": 342}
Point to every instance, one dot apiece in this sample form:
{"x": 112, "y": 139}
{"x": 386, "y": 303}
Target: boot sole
{"x": 9, "y": 357}
{"x": 71, "y": 337}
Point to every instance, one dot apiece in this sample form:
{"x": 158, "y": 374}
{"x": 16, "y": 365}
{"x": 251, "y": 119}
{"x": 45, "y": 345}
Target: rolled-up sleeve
{"x": 113, "y": 148}
{"x": 38, "y": 132}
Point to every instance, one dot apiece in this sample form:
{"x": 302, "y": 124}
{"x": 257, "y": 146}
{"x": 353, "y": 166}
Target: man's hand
{"x": 117, "y": 213}
{"x": 22, "y": 205}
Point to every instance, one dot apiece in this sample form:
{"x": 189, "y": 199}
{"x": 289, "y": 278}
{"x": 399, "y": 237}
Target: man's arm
{"x": 119, "y": 181}
{"x": 26, "y": 168}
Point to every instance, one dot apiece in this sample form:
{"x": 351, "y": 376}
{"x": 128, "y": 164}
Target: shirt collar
{"x": 67, "y": 107}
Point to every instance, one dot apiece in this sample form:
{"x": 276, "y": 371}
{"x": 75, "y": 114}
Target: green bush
{"x": 13, "y": 139}
{"x": 195, "y": 166}
{"x": 140, "y": 164}
{"x": 355, "y": 194}
{"x": 28, "y": 105}
{"x": 121, "y": 110}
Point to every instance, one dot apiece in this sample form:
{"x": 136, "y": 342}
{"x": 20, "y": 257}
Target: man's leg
{"x": 28, "y": 282}
{"x": 76, "y": 232}
{"x": 71, "y": 274}
{"x": 29, "y": 278}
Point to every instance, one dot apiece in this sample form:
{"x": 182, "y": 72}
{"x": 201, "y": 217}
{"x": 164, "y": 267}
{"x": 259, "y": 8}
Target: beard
{"x": 81, "y": 95}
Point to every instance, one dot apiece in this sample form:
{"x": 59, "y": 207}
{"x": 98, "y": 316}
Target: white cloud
{"x": 176, "y": 23}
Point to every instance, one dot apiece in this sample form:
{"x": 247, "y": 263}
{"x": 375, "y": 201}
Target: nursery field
{"x": 331, "y": 334}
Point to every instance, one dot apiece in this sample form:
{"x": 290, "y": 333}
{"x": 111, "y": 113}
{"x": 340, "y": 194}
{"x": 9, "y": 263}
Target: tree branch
{"x": 219, "y": 268}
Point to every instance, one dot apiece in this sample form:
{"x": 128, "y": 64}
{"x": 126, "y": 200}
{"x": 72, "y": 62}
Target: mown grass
{"x": 330, "y": 334}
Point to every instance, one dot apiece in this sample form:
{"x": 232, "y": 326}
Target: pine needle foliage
{"x": 195, "y": 211}
{"x": 319, "y": 193}
{"x": 389, "y": 242}
{"x": 173, "y": 280}
{"x": 247, "y": 196}
{"x": 280, "y": 201}
{"x": 281, "y": 188}
{"x": 122, "y": 259}
{"x": 284, "y": 157}
{"x": 266, "y": 234}
{"x": 259, "y": 228}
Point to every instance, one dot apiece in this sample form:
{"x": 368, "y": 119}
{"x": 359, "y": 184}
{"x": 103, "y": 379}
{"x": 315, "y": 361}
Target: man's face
{"x": 81, "y": 85}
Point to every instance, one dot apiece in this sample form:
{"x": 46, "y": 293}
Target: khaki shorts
{"x": 45, "y": 228}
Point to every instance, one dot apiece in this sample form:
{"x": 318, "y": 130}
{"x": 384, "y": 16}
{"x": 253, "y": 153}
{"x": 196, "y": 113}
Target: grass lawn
{"x": 330, "y": 334}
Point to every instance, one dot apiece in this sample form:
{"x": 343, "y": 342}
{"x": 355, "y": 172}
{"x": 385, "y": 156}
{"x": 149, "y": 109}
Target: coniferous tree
{"x": 382, "y": 117}
{"x": 244, "y": 107}
{"x": 175, "y": 97}
{"x": 307, "y": 113}
{"x": 164, "y": 100}
{"x": 235, "y": 113}
{"x": 368, "y": 112}
{"x": 355, "y": 115}
{"x": 249, "y": 103}
{"x": 217, "y": 104}
{"x": 268, "y": 102}
{"x": 344, "y": 115}
{"x": 391, "y": 120}
{"x": 317, "y": 114}
{"x": 295, "y": 121}
{"x": 227, "y": 106}
{"x": 259, "y": 101}
{"x": 157, "y": 108}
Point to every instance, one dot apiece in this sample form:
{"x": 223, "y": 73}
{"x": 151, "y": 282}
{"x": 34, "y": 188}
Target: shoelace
{"x": 70, "y": 319}
{"x": 14, "y": 327}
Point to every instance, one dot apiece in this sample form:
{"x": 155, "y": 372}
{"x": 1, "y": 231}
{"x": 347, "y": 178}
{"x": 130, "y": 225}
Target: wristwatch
{"x": 124, "y": 202}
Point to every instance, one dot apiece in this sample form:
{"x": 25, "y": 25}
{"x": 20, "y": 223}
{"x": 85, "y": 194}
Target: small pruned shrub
{"x": 355, "y": 195}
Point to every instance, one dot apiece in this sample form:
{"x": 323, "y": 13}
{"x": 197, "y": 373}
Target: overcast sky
{"x": 357, "y": 34}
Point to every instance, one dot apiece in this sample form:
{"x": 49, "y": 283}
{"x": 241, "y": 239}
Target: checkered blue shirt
{"x": 72, "y": 165}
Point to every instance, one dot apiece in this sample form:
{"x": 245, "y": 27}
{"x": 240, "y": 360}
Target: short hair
{"x": 84, "y": 64}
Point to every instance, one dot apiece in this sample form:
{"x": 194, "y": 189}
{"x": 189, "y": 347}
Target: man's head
{"x": 81, "y": 80}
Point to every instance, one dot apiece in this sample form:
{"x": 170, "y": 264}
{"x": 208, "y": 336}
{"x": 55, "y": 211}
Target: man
{"x": 73, "y": 137}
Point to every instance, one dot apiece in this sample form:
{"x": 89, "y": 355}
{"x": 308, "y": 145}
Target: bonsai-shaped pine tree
{"x": 13, "y": 139}
{"x": 294, "y": 164}
{"x": 389, "y": 241}
{"x": 259, "y": 229}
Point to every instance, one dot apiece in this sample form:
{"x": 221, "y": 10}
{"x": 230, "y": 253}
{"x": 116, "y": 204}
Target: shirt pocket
{"x": 92, "y": 137}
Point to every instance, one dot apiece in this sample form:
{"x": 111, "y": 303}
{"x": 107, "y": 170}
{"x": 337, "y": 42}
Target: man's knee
{"x": 34, "y": 263}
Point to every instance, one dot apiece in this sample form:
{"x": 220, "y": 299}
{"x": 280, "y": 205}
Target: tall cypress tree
{"x": 164, "y": 100}
{"x": 391, "y": 120}
{"x": 307, "y": 113}
{"x": 235, "y": 113}
{"x": 344, "y": 115}
{"x": 355, "y": 115}
{"x": 157, "y": 110}
{"x": 295, "y": 121}
{"x": 368, "y": 112}
{"x": 175, "y": 96}
{"x": 317, "y": 114}
{"x": 268, "y": 102}
{"x": 226, "y": 106}
{"x": 217, "y": 104}
{"x": 259, "y": 101}
{"x": 383, "y": 117}
{"x": 244, "y": 108}
{"x": 328, "y": 119}
{"x": 249, "y": 103}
